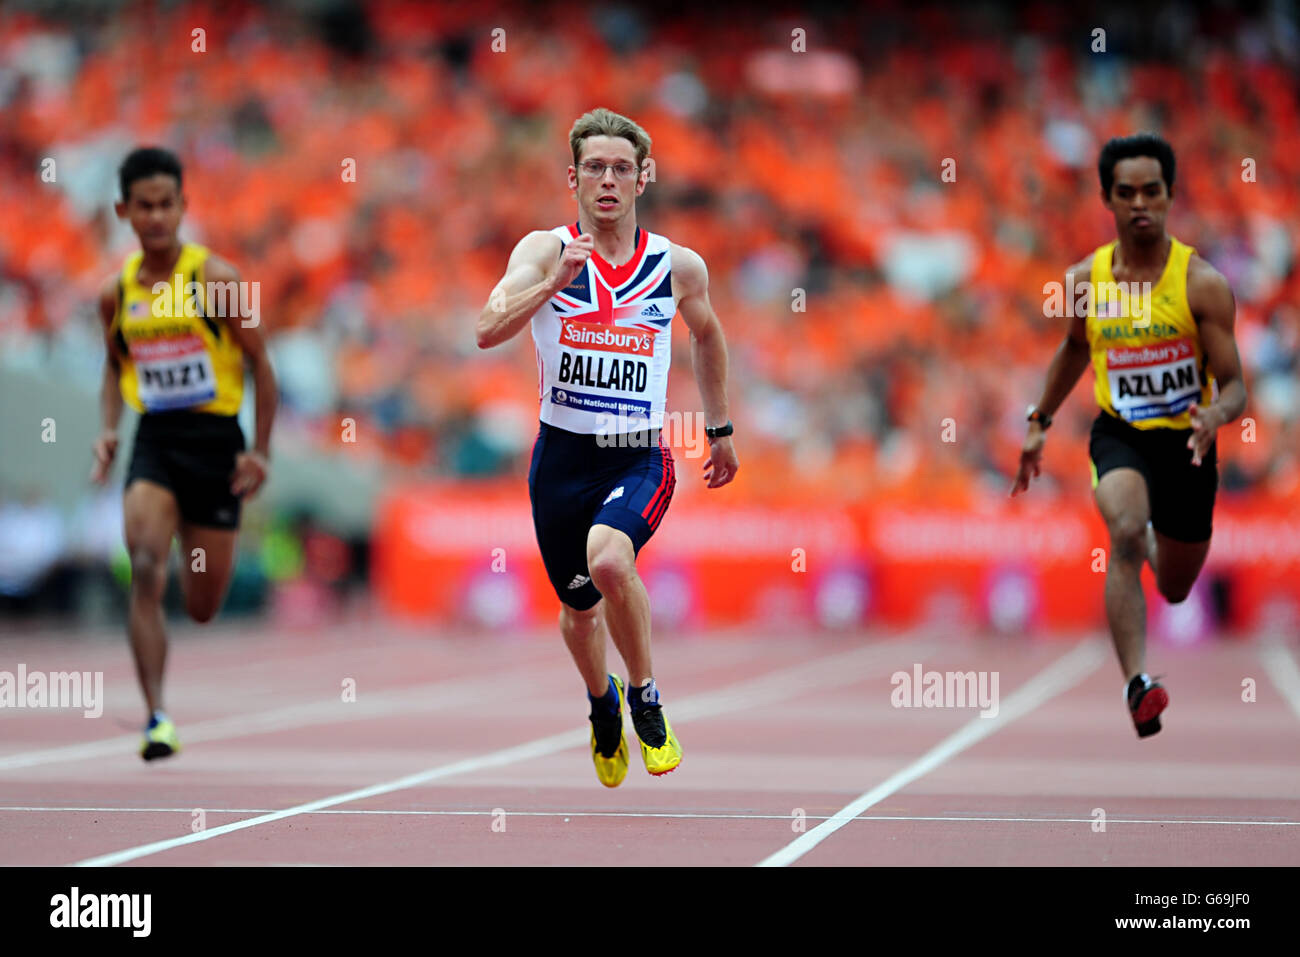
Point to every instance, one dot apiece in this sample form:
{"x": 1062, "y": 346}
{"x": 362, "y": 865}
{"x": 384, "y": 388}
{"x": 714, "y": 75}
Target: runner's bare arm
{"x": 1069, "y": 362}
{"x": 1072, "y": 356}
{"x": 252, "y": 466}
{"x": 708, "y": 357}
{"x": 250, "y": 341}
{"x": 1210, "y": 298}
{"x": 110, "y": 393}
{"x": 537, "y": 270}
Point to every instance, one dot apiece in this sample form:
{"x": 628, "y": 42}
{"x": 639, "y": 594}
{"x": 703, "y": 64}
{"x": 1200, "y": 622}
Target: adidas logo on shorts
{"x": 617, "y": 493}
{"x": 578, "y": 581}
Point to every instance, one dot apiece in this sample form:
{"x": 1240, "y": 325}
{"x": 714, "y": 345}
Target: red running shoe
{"x": 1146, "y": 700}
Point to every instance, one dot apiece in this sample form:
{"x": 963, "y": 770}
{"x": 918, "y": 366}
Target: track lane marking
{"x": 678, "y": 815}
{"x": 378, "y": 704}
{"x": 820, "y": 673}
{"x": 1282, "y": 670}
{"x": 1061, "y": 675}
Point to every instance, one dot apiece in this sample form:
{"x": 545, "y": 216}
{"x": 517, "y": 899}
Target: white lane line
{"x": 1061, "y": 675}
{"x": 380, "y": 704}
{"x": 1282, "y": 670}
{"x": 839, "y": 669}
{"x": 523, "y": 752}
{"x": 671, "y": 815}
{"x": 430, "y": 697}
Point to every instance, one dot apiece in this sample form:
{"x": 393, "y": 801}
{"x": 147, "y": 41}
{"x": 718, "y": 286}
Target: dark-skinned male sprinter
{"x": 177, "y": 352}
{"x": 1158, "y": 332}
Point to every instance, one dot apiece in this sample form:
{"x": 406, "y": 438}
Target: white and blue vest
{"x": 604, "y": 342}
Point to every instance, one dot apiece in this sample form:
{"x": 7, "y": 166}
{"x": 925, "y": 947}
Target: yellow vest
{"x": 175, "y": 355}
{"x": 1146, "y": 349}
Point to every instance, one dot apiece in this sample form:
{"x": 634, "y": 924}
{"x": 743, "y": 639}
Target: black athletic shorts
{"x": 575, "y": 483}
{"x": 1181, "y": 494}
{"x": 193, "y": 454}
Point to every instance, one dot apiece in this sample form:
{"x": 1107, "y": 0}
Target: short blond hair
{"x": 603, "y": 122}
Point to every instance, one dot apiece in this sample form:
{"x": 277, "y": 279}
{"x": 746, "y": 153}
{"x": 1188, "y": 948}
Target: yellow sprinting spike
{"x": 160, "y": 741}
{"x": 612, "y": 770}
{"x": 664, "y": 758}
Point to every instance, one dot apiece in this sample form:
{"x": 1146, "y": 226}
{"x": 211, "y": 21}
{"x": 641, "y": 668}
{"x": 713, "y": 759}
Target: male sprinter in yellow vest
{"x": 1158, "y": 332}
{"x": 601, "y": 295}
{"x": 178, "y": 358}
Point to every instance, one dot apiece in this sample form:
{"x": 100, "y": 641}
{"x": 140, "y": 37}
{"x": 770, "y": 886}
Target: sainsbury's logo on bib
{"x": 589, "y": 335}
{"x": 1124, "y": 357}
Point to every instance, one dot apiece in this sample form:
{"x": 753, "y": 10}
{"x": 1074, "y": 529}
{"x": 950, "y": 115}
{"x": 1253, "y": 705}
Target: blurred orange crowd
{"x": 879, "y": 211}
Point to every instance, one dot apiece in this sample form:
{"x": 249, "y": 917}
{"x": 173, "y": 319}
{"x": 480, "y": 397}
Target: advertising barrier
{"x": 467, "y": 553}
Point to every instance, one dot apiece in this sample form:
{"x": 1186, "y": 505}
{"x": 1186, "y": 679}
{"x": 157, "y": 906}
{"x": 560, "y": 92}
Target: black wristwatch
{"x": 718, "y": 431}
{"x": 1042, "y": 418}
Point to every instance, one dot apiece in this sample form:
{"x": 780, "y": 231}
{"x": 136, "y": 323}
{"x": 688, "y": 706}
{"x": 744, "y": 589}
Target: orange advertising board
{"x": 468, "y": 553}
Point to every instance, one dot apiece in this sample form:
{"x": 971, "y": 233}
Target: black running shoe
{"x": 1146, "y": 700}
{"x": 649, "y": 723}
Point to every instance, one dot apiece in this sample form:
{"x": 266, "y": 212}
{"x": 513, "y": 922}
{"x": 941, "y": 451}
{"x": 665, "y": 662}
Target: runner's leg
{"x": 611, "y": 561}
{"x": 1182, "y": 517}
{"x": 151, "y": 516}
{"x": 1121, "y": 496}
{"x": 207, "y": 562}
{"x": 1177, "y": 564}
{"x": 584, "y": 634}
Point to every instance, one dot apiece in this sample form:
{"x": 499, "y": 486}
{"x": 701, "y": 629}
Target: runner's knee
{"x": 1174, "y": 592}
{"x": 1128, "y": 538}
{"x": 201, "y": 607}
{"x": 148, "y": 571}
{"x": 610, "y": 569}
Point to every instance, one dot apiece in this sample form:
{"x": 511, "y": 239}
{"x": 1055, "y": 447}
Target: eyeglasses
{"x": 594, "y": 169}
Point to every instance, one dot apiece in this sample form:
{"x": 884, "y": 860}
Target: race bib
{"x": 1152, "y": 381}
{"x": 173, "y": 373}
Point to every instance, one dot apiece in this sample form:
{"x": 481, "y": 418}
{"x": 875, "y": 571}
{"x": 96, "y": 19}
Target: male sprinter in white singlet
{"x": 601, "y": 295}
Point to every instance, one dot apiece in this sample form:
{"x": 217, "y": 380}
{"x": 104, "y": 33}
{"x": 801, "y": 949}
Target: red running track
{"x": 471, "y": 750}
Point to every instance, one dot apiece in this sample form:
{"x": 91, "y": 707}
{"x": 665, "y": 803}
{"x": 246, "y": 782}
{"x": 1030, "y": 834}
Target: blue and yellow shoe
{"x": 160, "y": 740}
{"x": 608, "y": 743}
{"x": 659, "y": 747}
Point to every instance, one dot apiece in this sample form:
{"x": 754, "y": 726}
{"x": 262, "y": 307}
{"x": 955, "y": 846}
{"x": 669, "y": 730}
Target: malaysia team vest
{"x": 604, "y": 342}
{"x": 1146, "y": 350}
{"x": 175, "y": 355}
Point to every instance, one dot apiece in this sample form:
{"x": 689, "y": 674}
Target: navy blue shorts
{"x": 575, "y": 483}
